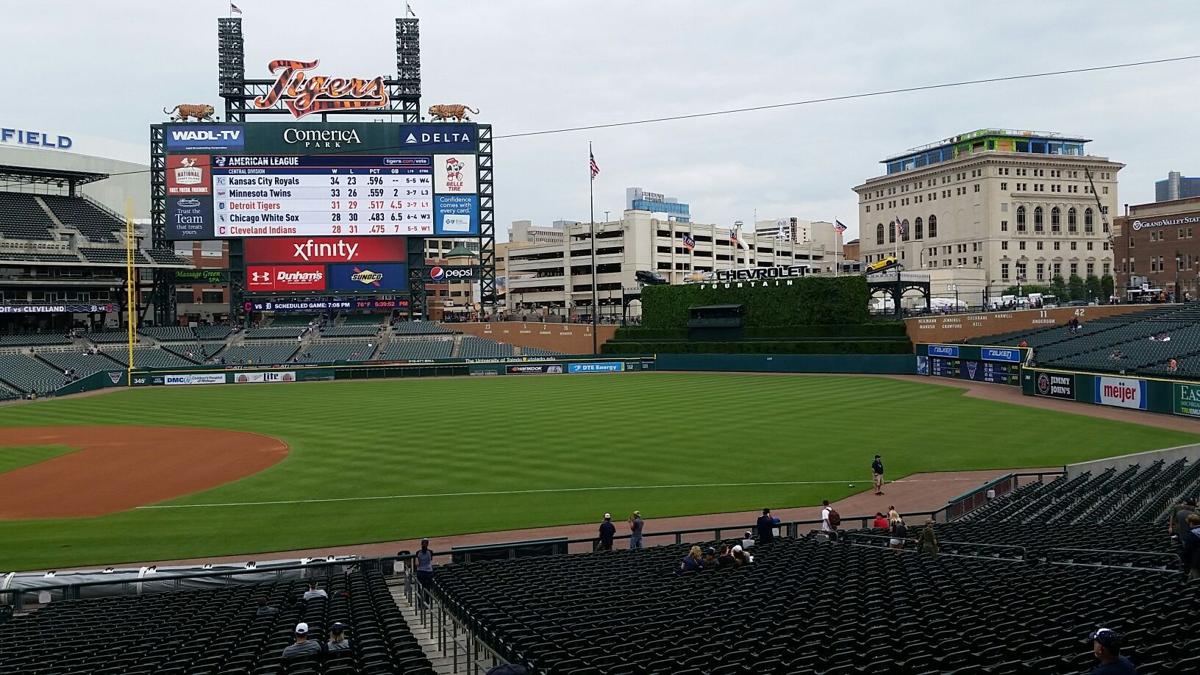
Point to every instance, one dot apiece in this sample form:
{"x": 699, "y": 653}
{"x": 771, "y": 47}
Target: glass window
{"x": 919, "y": 232}
{"x": 1055, "y": 219}
{"x": 1037, "y": 219}
{"x": 1072, "y": 225}
{"x": 932, "y": 227}
{"x": 1020, "y": 219}
{"x": 879, "y": 234}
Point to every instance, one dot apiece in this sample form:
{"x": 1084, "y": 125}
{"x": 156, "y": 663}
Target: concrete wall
{"x": 952, "y": 327}
{"x": 568, "y": 338}
{"x": 1168, "y": 455}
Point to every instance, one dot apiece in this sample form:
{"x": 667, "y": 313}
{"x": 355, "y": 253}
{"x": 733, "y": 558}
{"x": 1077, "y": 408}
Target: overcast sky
{"x": 106, "y": 69}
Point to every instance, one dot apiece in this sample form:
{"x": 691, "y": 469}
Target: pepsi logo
{"x": 437, "y": 273}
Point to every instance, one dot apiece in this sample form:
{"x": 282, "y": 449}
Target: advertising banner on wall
{"x": 1187, "y": 399}
{"x": 534, "y": 369}
{"x": 191, "y": 137}
{"x": 441, "y": 274}
{"x": 188, "y": 175}
{"x": 1055, "y": 385}
{"x": 325, "y": 249}
{"x": 369, "y": 277}
{"x": 596, "y": 367}
{"x": 1122, "y": 392}
{"x": 285, "y": 278}
{"x": 290, "y": 138}
{"x": 189, "y": 217}
{"x": 456, "y": 214}
{"x": 195, "y": 378}
{"x": 273, "y": 376}
{"x": 454, "y": 174}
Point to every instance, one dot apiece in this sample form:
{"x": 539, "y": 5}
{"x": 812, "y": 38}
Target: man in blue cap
{"x": 1106, "y": 645}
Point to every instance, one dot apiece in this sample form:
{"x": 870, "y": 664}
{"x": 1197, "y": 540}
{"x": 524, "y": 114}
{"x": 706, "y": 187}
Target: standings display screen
{"x": 978, "y": 371}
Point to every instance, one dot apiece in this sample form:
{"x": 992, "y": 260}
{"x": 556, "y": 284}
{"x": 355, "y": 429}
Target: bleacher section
{"x": 341, "y": 350}
{"x": 275, "y": 332}
{"x": 213, "y": 332}
{"x": 147, "y": 357}
{"x": 21, "y": 217}
{"x": 214, "y": 631}
{"x": 250, "y": 354}
{"x": 1120, "y": 343}
{"x": 363, "y": 319}
{"x": 419, "y": 328}
{"x": 37, "y": 339}
{"x": 7, "y": 394}
{"x": 351, "y": 331}
{"x": 195, "y": 351}
{"x": 293, "y": 319}
{"x": 416, "y": 350}
{"x": 108, "y": 337}
{"x": 83, "y": 364}
{"x": 164, "y": 256}
{"x": 92, "y": 222}
{"x": 482, "y": 348}
{"x": 806, "y": 607}
{"x": 26, "y": 374}
{"x": 169, "y": 333}
{"x": 535, "y": 351}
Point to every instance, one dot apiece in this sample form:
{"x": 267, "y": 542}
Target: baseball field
{"x": 183, "y": 472}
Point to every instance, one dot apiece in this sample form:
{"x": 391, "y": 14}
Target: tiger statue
{"x": 447, "y": 111}
{"x": 182, "y": 112}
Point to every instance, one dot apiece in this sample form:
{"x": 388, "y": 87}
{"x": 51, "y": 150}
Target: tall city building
{"x": 637, "y": 199}
{"x": 1176, "y": 186}
{"x": 525, "y": 231}
{"x": 1011, "y": 206}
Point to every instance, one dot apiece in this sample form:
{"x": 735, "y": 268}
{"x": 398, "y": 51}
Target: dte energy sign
{"x": 1122, "y": 392}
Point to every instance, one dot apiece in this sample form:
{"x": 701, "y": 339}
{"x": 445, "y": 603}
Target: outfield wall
{"x": 1153, "y": 394}
{"x": 881, "y": 364}
{"x": 565, "y": 338}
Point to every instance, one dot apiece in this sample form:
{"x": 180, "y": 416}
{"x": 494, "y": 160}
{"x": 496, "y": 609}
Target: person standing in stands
{"x": 899, "y": 532}
{"x": 635, "y": 530}
{"x": 1177, "y": 523}
{"x": 1106, "y": 645}
{"x": 766, "y": 526}
{"x": 928, "y": 542}
{"x": 1190, "y": 539}
{"x": 607, "y": 531}
{"x": 877, "y": 474}
{"x": 424, "y": 564}
{"x": 302, "y": 646}
{"x": 828, "y": 516}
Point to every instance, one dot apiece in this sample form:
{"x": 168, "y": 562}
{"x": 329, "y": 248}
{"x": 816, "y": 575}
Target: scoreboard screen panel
{"x": 322, "y": 196}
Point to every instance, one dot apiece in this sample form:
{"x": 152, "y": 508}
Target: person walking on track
{"x": 877, "y": 474}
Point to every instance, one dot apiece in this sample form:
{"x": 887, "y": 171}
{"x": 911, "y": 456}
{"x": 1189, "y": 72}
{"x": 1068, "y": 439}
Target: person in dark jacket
{"x": 1190, "y": 538}
{"x": 766, "y": 525}
{"x": 607, "y": 531}
{"x": 877, "y": 474}
{"x": 1106, "y": 645}
{"x": 693, "y": 561}
{"x": 928, "y": 542}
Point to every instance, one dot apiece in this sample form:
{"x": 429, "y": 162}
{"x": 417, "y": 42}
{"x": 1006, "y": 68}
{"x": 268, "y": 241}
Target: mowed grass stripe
{"x": 510, "y": 437}
{"x": 26, "y": 455}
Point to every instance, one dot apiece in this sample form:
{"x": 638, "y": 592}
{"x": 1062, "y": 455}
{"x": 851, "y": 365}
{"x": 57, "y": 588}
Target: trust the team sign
{"x": 303, "y": 93}
{"x": 1121, "y": 392}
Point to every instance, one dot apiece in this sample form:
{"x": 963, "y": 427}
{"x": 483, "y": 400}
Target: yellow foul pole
{"x": 130, "y": 289}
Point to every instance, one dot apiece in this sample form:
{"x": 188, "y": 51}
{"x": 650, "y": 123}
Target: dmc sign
{"x": 762, "y": 273}
{"x": 304, "y": 94}
{"x": 36, "y": 139}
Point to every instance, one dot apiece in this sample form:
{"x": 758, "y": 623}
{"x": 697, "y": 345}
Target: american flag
{"x": 733, "y": 236}
{"x": 594, "y": 165}
{"x": 901, "y": 228}
{"x": 689, "y": 242}
{"x": 839, "y": 226}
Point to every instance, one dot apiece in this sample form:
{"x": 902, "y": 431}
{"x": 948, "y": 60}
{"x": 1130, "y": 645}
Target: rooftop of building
{"x": 986, "y": 140}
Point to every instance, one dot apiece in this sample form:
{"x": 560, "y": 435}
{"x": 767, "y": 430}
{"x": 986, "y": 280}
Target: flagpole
{"x": 592, "y": 219}
{"x": 837, "y": 245}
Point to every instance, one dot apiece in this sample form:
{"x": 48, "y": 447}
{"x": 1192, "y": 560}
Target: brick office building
{"x": 1157, "y": 246}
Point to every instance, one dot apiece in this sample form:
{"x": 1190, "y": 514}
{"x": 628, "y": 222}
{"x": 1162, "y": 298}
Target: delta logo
{"x": 366, "y": 277}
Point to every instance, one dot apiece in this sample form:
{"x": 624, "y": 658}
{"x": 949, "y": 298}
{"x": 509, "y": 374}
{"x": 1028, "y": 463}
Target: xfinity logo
{"x": 310, "y": 248}
{"x": 321, "y": 138}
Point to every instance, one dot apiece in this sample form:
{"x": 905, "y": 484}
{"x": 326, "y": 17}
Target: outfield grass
{"x": 24, "y": 455}
{"x": 459, "y": 435}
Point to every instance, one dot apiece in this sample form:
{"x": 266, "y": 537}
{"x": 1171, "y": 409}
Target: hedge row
{"x": 857, "y": 330}
{"x": 761, "y": 347}
{"x": 803, "y": 302}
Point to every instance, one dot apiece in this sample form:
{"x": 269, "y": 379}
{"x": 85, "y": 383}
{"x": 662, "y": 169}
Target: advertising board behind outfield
{"x": 1122, "y": 392}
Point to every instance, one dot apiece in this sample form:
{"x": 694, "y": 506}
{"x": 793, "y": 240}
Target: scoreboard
{"x": 971, "y": 369}
{"x": 322, "y": 195}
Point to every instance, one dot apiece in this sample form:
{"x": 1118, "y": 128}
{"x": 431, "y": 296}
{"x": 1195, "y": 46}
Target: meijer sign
{"x": 1121, "y": 392}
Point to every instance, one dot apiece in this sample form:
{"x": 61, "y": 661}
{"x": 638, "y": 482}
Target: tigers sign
{"x": 303, "y": 94}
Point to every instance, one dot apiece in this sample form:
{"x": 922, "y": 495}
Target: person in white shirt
{"x": 314, "y": 592}
{"x": 827, "y": 527}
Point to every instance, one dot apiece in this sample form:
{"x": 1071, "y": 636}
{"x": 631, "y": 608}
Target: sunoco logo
{"x": 367, "y": 277}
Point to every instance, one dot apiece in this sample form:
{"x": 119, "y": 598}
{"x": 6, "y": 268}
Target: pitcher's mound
{"x": 115, "y": 468}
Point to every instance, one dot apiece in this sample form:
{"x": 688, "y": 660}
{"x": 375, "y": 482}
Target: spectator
{"x": 899, "y": 533}
{"x": 1172, "y": 365}
{"x": 766, "y": 527}
{"x": 302, "y": 646}
{"x": 880, "y": 522}
{"x": 607, "y": 531}
{"x": 337, "y": 638}
{"x": 1177, "y": 522}
{"x": 892, "y": 514}
{"x": 1023, "y": 343}
{"x": 740, "y": 557}
{"x": 1106, "y": 645}
{"x": 424, "y": 564}
{"x": 928, "y": 542}
{"x": 710, "y": 558}
{"x": 693, "y": 561}
{"x": 635, "y": 530}
{"x": 1190, "y": 539}
{"x": 725, "y": 559}
{"x": 315, "y": 592}
{"x": 748, "y": 539}
{"x": 265, "y": 608}
{"x": 877, "y": 474}
{"x": 829, "y": 520}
